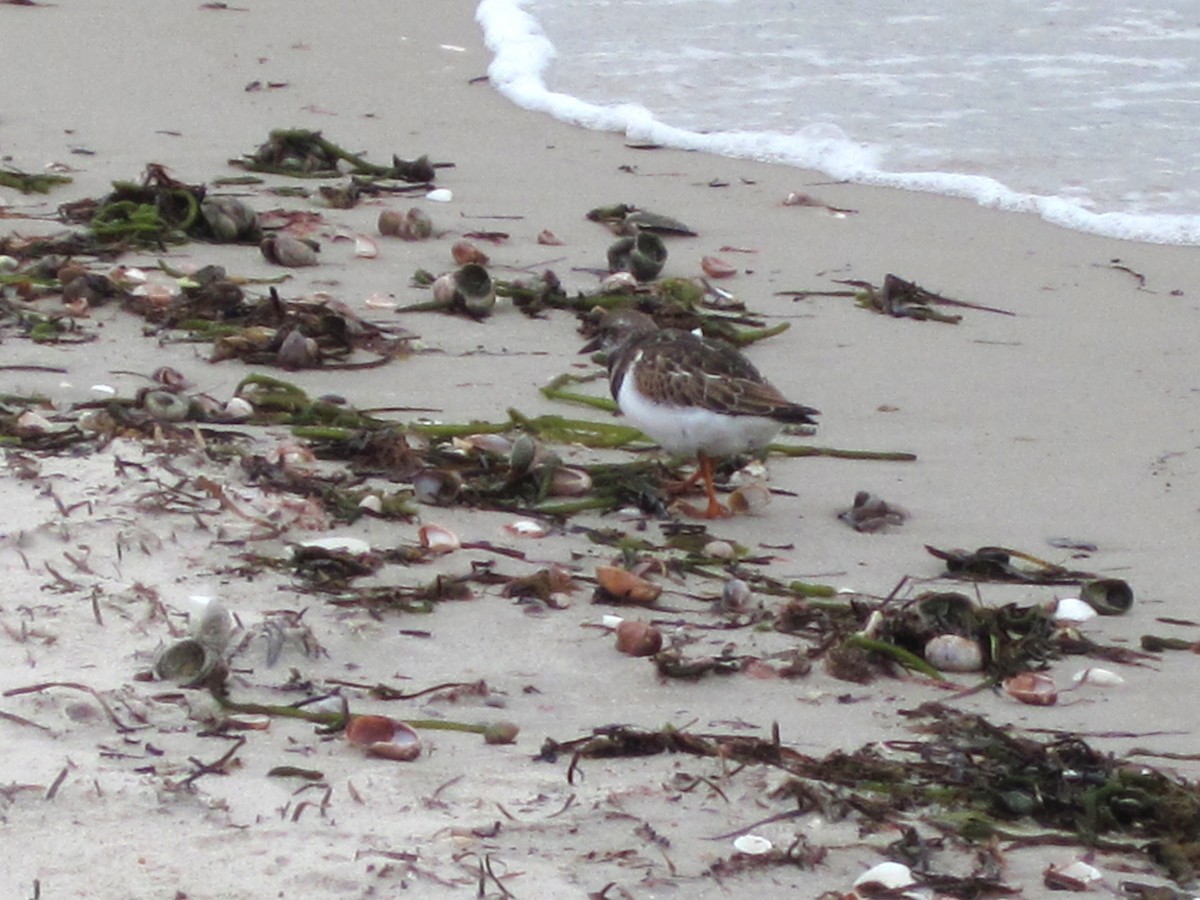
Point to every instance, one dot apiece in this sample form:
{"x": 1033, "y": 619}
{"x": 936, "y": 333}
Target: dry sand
{"x": 1076, "y": 417}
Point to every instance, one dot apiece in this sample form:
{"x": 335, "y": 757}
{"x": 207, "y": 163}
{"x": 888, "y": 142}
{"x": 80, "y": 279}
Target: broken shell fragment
{"x": 715, "y": 267}
{"x": 365, "y": 247}
{"x": 887, "y": 876}
{"x": 1077, "y": 876}
{"x": 637, "y": 638}
{"x": 440, "y": 195}
{"x": 527, "y": 528}
{"x": 437, "y": 487}
{"x": 623, "y": 586}
{"x": 238, "y": 409}
{"x": 437, "y": 539}
{"x": 383, "y": 737}
{"x": 31, "y": 424}
{"x": 752, "y": 845}
{"x": 954, "y": 653}
{"x": 548, "y": 238}
{"x": 1108, "y": 596}
{"x": 1033, "y": 688}
{"x": 1097, "y": 676}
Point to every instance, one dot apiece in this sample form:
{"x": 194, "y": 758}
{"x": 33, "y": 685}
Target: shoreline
{"x": 1072, "y": 418}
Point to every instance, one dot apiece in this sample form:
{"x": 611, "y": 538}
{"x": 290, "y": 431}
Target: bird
{"x": 692, "y": 395}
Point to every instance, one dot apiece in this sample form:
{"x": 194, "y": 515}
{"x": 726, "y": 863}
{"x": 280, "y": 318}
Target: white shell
{"x": 1072, "y": 609}
{"x": 379, "y": 301}
{"x": 885, "y": 876}
{"x": 31, "y": 423}
{"x": 437, "y": 539}
{"x": 719, "y": 550}
{"x": 371, "y": 503}
{"x": 212, "y": 625}
{"x": 104, "y": 390}
{"x": 342, "y": 544}
{"x": 365, "y": 247}
{"x": 1080, "y": 871}
{"x": 752, "y": 845}
{"x": 1097, "y": 676}
{"x": 527, "y": 528}
{"x": 239, "y": 409}
{"x": 611, "y": 621}
{"x": 954, "y": 653}
{"x": 440, "y": 195}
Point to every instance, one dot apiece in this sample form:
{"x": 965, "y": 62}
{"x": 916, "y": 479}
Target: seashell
{"x": 752, "y": 845}
{"x": 1098, "y": 676}
{"x": 156, "y": 294}
{"x": 383, "y": 737}
{"x": 172, "y": 379}
{"x": 473, "y": 290}
{"x": 954, "y": 653}
{"x": 365, "y": 247}
{"x": 391, "y": 223}
{"x": 465, "y": 252}
{"x": 238, "y": 409}
{"x": 720, "y": 550}
{"x": 749, "y": 499}
{"x": 379, "y": 301}
{"x": 417, "y": 225}
{"x": 1108, "y": 596}
{"x": 8, "y": 263}
{"x": 1076, "y": 876}
{"x": 625, "y": 587}
{"x": 1033, "y": 688}
{"x": 297, "y": 351}
{"x": 637, "y": 638}
{"x": 569, "y": 481}
{"x": 619, "y": 282}
{"x": 715, "y": 267}
{"x": 437, "y": 539}
{"x": 128, "y": 276}
{"x": 371, "y": 503}
{"x": 492, "y": 444}
{"x": 887, "y": 876}
{"x": 31, "y": 424}
{"x": 436, "y": 487}
{"x": 611, "y": 621}
{"x": 185, "y": 662}
{"x": 1073, "y": 610}
{"x": 285, "y": 250}
{"x": 103, "y": 390}
{"x": 501, "y": 733}
{"x": 527, "y": 528}
{"x": 440, "y": 195}
{"x": 548, "y": 238}
{"x": 166, "y": 406}
{"x": 336, "y": 544}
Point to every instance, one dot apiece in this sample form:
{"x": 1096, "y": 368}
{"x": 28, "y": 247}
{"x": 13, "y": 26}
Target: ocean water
{"x": 1085, "y": 112}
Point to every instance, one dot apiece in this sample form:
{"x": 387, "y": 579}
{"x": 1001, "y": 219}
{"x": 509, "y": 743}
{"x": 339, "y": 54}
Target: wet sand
{"x": 1072, "y": 418}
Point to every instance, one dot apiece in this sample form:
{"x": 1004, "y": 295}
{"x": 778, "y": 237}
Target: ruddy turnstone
{"x": 692, "y": 395}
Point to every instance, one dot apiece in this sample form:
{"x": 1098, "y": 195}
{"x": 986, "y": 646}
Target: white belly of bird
{"x": 691, "y": 429}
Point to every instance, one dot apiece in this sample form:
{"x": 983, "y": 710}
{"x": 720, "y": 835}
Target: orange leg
{"x": 716, "y": 510}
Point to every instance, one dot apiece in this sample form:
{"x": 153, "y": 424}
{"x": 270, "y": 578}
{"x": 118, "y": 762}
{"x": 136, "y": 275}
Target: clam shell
{"x": 526, "y": 528}
{"x": 383, "y": 737}
{"x": 749, "y": 499}
{"x": 1072, "y": 609}
{"x": 637, "y": 638}
{"x": 623, "y": 586}
{"x": 568, "y": 481}
{"x": 752, "y": 845}
{"x": 440, "y": 195}
{"x": 437, "y": 539}
{"x": 1097, "y": 676}
{"x": 622, "y": 282}
{"x": 238, "y": 409}
{"x": 465, "y": 252}
{"x": 285, "y": 250}
{"x": 954, "y": 653}
{"x": 436, "y": 487}
{"x": 887, "y": 876}
{"x": 365, "y": 247}
{"x": 1033, "y": 688}
{"x": 720, "y": 550}
{"x": 715, "y": 267}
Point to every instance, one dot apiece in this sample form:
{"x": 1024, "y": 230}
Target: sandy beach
{"x": 1068, "y": 423}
